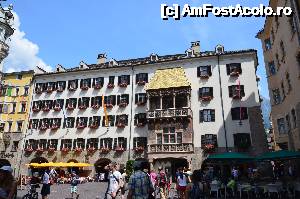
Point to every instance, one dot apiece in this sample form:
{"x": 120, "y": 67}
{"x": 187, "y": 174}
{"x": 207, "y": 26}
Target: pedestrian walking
{"x": 46, "y": 185}
{"x": 162, "y": 182}
{"x": 123, "y": 184}
{"x": 139, "y": 185}
{"x": 196, "y": 188}
{"x": 7, "y": 183}
{"x": 114, "y": 180}
{"x": 181, "y": 183}
{"x": 74, "y": 182}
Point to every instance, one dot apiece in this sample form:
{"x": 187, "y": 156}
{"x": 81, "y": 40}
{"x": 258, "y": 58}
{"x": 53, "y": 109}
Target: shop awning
{"x": 59, "y": 164}
{"x": 279, "y": 155}
{"x": 229, "y": 156}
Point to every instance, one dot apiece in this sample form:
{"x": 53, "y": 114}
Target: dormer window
{"x": 83, "y": 103}
{"x": 73, "y": 85}
{"x": 153, "y": 57}
{"x": 140, "y": 119}
{"x": 124, "y": 80}
{"x": 206, "y": 93}
{"x": 219, "y": 49}
{"x": 112, "y": 62}
{"x": 123, "y": 100}
{"x": 234, "y": 69}
{"x": 189, "y": 52}
{"x": 50, "y": 87}
{"x": 98, "y": 82}
{"x": 236, "y": 91}
{"x": 71, "y": 103}
{"x": 94, "y": 122}
{"x": 58, "y": 104}
{"x": 141, "y": 79}
{"x": 85, "y": 84}
{"x": 204, "y": 71}
{"x": 81, "y": 122}
{"x": 121, "y": 121}
{"x": 110, "y": 101}
{"x": 61, "y": 86}
{"x": 111, "y": 82}
{"x": 140, "y": 99}
{"x": 96, "y": 102}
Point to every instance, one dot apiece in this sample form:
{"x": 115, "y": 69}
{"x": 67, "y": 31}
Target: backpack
{"x": 196, "y": 192}
{"x": 162, "y": 179}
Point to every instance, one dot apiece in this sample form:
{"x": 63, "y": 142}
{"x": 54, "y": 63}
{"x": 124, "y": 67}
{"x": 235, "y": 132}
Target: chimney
{"x": 195, "y": 45}
{"x": 101, "y": 59}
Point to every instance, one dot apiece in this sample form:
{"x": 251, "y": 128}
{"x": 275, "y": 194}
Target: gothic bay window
{"x": 209, "y": 142}
{"x": 206, "y": 93}
{"x": 73, "y": 84}
{"x": 207, "y": 115}
{"x": 234, "y": 69}
{"x": 123, "y": 100}
{"x": 110, "y": 101}
{"x": 268, "y": 44}
{"x": 47, "y": 105}
{"x": 98, "y": 82}
{"x": 44, "y": 124}
{"x": 139, "y": 144}
{"x": 70, "y": 122}
{"x": 140, "y": 99}
{"x": 36, "y": 106}
{"x": 272, "y": 68}
{"x": 33, "y": 123}
{"x": 96, "y": 102}
{"x": 141, "y": 79}
{"x": 52, "y": 145}
{"x": 294, "y": 118}
{"x": 55, "y": 123}
{"x": 83, "y": 103}
{"x": 242, "y": 140}
{"x": 236, "y": 91}
{"x": 106, "y": 144}
{"x": 154, "y": 103}
{"x": 111, "y": 82}
{"x": 58, "y": 104}
{"x": 120, "y": 144}
{"x": 124, "y": 80}
{"x": 92, "y": 144}
{"x": 85, "y": 84}
{"x": 140, "y": 119}
{"x": 276, "y": 96}
{"x": 121, "y": 121}
{"x": 110, "y": 122}
{"x": 204, "y": 71}
{"x": 66, "y": 145}
{"x": 51, "y": 86}
{"x": 39, "y": 88}
{"x": 61, "y": 86}
{"x": 167, "y": 102}
{"x": 239, "y": 113}
{"x": 169, "y": 136}
{"x": 78, "y": 144}
{"x": 281, "y": 126}
{"x": 81, "y": 122}
{"x": 94, "y": 122}
{"x": 71, "y": 103}
{"x": 181, "y": 101}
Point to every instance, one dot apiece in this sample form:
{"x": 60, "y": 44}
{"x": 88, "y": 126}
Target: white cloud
{"x": 23, "y": 53}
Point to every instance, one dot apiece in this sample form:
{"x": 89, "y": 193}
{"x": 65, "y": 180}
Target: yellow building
{"x": 15, "y": 96}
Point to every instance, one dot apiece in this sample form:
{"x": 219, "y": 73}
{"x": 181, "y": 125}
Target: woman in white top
{"x": 181, "y": 183}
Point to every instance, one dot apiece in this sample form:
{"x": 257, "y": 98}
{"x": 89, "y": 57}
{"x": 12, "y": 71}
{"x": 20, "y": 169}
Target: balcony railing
{"x": 170, "y": 148}
{"x": 172, "y": 112}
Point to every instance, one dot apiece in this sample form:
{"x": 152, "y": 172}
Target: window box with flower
{"x": 70, "y": 107}
{"x": 140, "y": 124}
{"x": 119, "y": 149}
{"x": 94, "y": 126}
{"x": 29, "y": 150}
{"x": 65, "y": 150}
{"x": 208, "y": 148}
{"x": 105, "y": 150}
{"x": 110, "y": 85}
{"x": 141, "y": 83}
{"x": 123, "y": 84}
{"x": 123, "y": 104}
{"x": 34, "y": 109}
{"x": 98, "y": 86}
{"x": 78, "y": 150}
{"x": 40, "y": 150}
{"x": 206, "y": 98}
{"x": 55, "y": 127}
{"x": 82, "y": 107}
{"x": 234, "y": 72}
{"x": 139, "y": 149}
{"x": 141, "y": 103}
{"x": 91, "y": 149}
{"x": 96, "y": 106}
{"x": 121, "y": 125}
{"x": 43, "y": 128}
{"x": 109, "y": 105}
{"x": 46, "y": 109}
{"x": 51, "y": 150}
{"x": 57, "y": 108}
{"x": 81, "y": 126}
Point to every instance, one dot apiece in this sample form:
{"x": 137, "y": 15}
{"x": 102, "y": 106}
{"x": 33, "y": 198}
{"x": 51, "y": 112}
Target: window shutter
{"x": 230, "y": 89}
{"x": 228, "y": 69}
{"x": 125, "y": 143}
{"x": 146, "y": 78}
{"x": 101, "y": 143}
{"x": 103, "y": 121}
{"x": 92, "y": 101}
{"x": 128, "y": 79}
{"x": 201, "y": 116}
{"x": 118, "y": 99}
{"x": 136, "y": 78}
{"x": 113, "y": 99}
{"x": 94, "y": 80}
{"x": 200, "y": 92}
{"x": 90, "y": 82}
{"x": 119, "y": 80}
{"x": 242, "y": 91}
{"x": 112, "y": 120}
{"x": 127, "y": 98}
{"x": 244, "y": 113}
{"x": 198, "y": 72}
{"x": 209, "y": 70}
{"x": 213, "y": 115}
{"x": 90, "y": 121}
{"x": 211, "y": 91}
{"x": 135, "y": 119}
{"x": 136, "y": 98}
{"x": 126, "y": 122}
{"x": 240, "y": 68}
{"x": 134, "y": 142}
{"x": 115, "y": 143}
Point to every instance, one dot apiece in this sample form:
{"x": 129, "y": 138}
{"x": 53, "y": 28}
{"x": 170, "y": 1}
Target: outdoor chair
{"x": 214, "y": 188}
{"x": 241, "y": 189}
{"x": 273, "y": 188}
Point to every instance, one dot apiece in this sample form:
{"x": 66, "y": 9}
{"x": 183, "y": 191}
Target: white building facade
{"x": 173, "y": 110}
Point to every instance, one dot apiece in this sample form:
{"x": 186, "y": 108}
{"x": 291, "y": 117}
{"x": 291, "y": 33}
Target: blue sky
{"x": 66, "y": 32}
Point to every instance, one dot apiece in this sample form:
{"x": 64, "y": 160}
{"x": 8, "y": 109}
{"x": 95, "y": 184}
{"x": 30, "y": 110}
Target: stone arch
{"x": 39, "y": 160}
{"x": 100, "y": 168}
{"x": 38, "y": 170}
{"x": 4, "y": 162}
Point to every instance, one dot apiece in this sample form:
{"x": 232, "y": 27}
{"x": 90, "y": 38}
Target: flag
{"x": 105, "y": 112}
{"x": 9, "y": 91}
